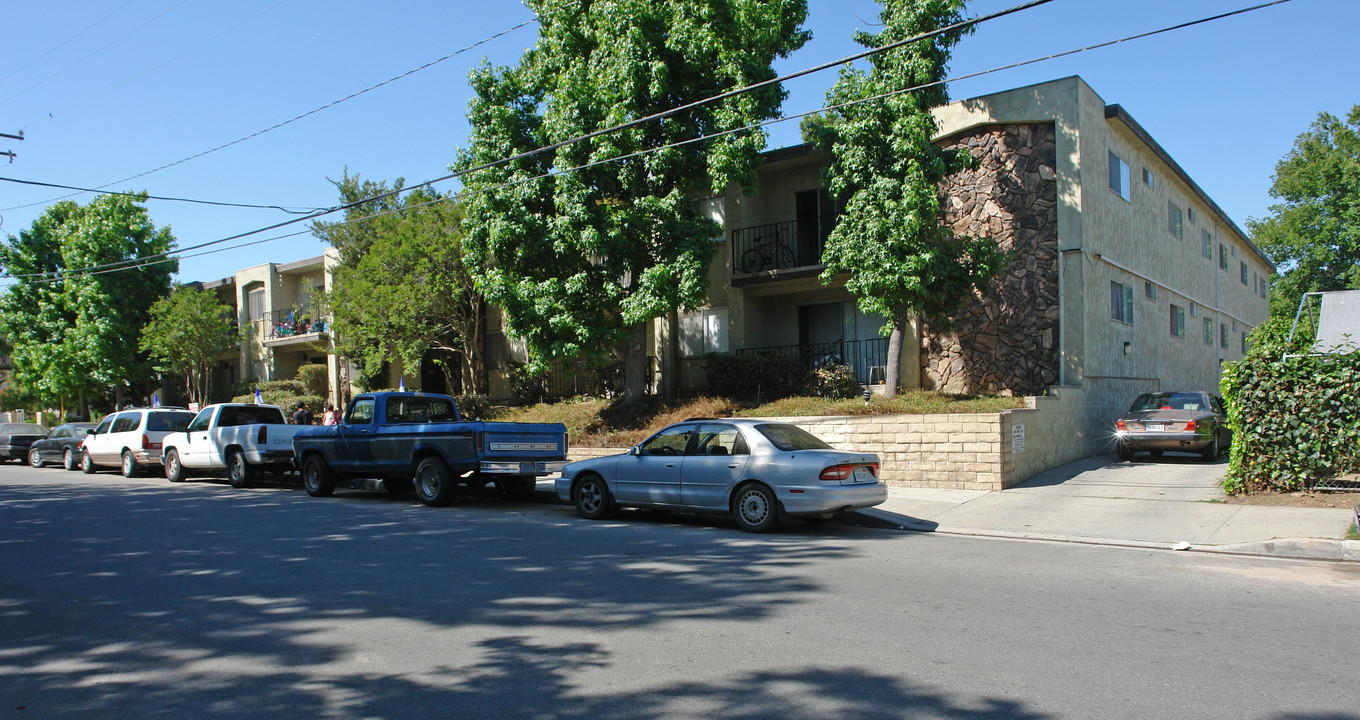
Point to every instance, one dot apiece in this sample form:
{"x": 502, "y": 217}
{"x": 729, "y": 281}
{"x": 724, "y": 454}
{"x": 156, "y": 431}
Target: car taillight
{"x": 1119, "y": 425}
{"x": 148, "y": 445}
{"x": 566, "y": 442}
{"x": 264, "y": 435}
{"x": 841, "y": 472}
{"x": 1190, "y": 426}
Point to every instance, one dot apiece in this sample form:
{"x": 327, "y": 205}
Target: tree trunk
{"x": 892, "y": 373}
{"x": 635, "y": 364}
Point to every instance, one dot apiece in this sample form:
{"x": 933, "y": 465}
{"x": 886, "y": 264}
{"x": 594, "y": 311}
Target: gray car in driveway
{"x": 757, "y": 470}
{"x": 1178, "y": 421}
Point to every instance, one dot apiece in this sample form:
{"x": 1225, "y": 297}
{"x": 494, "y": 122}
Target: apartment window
{"x": 1244, "y": 342}
{"x": 703, "y": 332}
{"x": 1149, "y": 290}
{"x": 1175, "y": 225}
{"x": 1208, "y": 331}
{"x": 1190, "y": 215}
{"x": 1223, "y": 335}
{"x": 1222, "y": 256}
{"x": 715, "y": 209}
{"x": 1265, "y": 286}
{"x": 1206, "y": 244}
{"x": 1119, "y": 177}
{"x": 1121, "y": 302}
{"x": 1177, "y": 321}
{"x": 255, "y": 305}
{"x": 1244, "y": 274}
{"x": 1194, "y": 309}
{"x": 1147, "y": 178}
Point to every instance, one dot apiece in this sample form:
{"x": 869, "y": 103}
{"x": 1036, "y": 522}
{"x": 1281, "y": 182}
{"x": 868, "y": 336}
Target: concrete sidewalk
{"x": 1169, "y": 503}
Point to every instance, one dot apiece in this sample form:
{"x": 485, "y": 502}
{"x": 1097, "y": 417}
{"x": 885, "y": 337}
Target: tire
{"x": 1210, "y": 452}
{"x": 752, "y": 261}
{"x": 434, "y": 483}
{"x": 239, "y": 472}
{"x": 129, "y": 465}
{"x": 591, "y": 498}
{"x": 397, "y": 486}
{"x": 317, "y": 478}
{"x": 518, "y": 489}
{"x": 86, "y": 464}
{"x": 174, "y": 469}
{"x": 1155, "y": 453}
{"x": 755, "y": 508}
{"x": 784, "y": 258}
{"x": 1125, "y": 452}
{"x": 34, "y": 458}
{"x": 69, "y": 460}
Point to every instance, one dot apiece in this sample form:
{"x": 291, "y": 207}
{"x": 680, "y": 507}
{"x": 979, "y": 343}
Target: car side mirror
{"x": 90, "y": 431}
{"x": 635, "y": 450}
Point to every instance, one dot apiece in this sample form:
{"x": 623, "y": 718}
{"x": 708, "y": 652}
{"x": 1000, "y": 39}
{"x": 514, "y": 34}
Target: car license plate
{"x": 1154, "y": 427}
{"x": 530, "y": 467}
{"x": 863, "y": 474}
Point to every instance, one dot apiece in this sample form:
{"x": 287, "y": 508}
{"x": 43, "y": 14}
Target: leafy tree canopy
{"x": 77, "y": 331}
{"x": 186, "y": 334}
{"x": 1313, "y": 233}
{"x": 579, "y": 261}
{"x": 886, "y": 172}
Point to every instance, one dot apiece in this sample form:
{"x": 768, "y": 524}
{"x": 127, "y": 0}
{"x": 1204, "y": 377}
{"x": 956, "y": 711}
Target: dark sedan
{"x": 62, "y": 445}
{"x": 1177, "y": 421}
{"x": 16, "y": 438}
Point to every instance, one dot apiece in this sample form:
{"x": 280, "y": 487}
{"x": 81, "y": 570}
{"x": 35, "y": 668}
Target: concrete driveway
{"x": 1174, "y": 476}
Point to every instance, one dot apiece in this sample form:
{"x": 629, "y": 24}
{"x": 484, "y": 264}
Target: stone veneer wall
{"x": 1005, "y": 344}
{"x": 954, "y": 451}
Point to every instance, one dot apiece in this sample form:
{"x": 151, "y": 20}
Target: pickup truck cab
{"x": 240, "y": 438}
{"x": 416, "y": 439}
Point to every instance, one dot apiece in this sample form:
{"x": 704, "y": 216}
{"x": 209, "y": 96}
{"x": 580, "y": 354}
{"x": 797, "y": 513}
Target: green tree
{"x": 401, "y": 289}
{"x": 580, "y": 262}
{"x": 186, "y": 334}
{"x": 886, "y": 172}
{"x": 75, "y": 332}
{"x": 1313, "y": 233}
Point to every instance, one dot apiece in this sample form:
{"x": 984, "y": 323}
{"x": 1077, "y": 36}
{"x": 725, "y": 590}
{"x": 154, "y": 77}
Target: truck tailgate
{"x": 523, "y": 448}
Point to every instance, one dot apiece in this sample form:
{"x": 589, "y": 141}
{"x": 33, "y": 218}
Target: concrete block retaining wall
{"x": 987, "y": 451}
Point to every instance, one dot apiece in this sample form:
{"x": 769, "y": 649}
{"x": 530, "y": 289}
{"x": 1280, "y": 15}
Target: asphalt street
{"x": 140, "y": 598}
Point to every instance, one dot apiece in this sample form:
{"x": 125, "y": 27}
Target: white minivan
{"x": 131, "y": 439}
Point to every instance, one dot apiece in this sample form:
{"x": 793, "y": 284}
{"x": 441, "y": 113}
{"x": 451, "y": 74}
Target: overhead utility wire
{"x": 289, "y": 121}
{"x": 774, "y": 121}
{"x": 63, "y": 43}
{"x": 161, "y": 197}
{"x": 570, "y": 141}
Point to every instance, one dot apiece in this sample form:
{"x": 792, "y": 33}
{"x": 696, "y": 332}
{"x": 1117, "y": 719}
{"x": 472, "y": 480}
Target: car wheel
{"x": 69, "y": 461}
{"x": 174, "y": 469}
{"x": 397, "y": 486}
{"x": 317, "y": 478}
{"x": 1124, "y": 451}
{"x": 434, "y": 484}
{"x": 239, "y": 472}
{"x": 755, "y": 508}
{"x": 518, "y": 489}
{"x": 1210, "y": 451}
{"x": 129, "y": 465}
{"x": 1155, "y": 453}
{"x": 86, "y": 464}
{"x": 591, "y": 498}
{"x": 35, "y": 458}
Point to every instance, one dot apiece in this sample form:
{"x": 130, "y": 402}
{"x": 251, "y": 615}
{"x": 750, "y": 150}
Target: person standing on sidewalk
{"x": 302, "y": 416}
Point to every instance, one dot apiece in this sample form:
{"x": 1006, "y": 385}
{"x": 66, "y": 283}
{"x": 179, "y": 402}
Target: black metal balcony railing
{"x": 776, "y": 246}
{"x": 292, "y": 322}
{"x": 868, "y": 358}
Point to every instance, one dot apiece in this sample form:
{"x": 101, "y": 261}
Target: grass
{"x": 1353, "y": 533}
{"x": 602, "y": 423}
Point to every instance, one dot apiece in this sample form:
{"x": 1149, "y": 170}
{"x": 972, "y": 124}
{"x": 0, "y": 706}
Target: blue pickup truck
{"x": 416, "y": 439}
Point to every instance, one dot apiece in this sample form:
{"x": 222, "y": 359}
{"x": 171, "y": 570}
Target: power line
{"x": 63, "y": 43}
{"x": 296, "y": 118}
{"x": 161, "y": 197}
{"x": 164, "y": 257}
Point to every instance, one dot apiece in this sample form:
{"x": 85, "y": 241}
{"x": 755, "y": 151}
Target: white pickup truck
{"x": 242, "y": 439}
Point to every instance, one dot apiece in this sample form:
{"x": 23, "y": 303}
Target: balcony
{"x": 868, "y": 358}
{"x": 777, "y": 251}
{"x": 293, "y": 327}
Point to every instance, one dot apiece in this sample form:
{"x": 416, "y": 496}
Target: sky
{"x": 106, "y": 90}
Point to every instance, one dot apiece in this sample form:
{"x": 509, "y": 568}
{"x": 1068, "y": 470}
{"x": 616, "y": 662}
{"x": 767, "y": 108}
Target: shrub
{"x": 316, "y": 378}
{"x": 473, "y": 407}
{"x": 755, "y": 377}
{"x": 285, "y": 394}
{"x": 834, "y": 382}
{"x": 1294, "y": 422}
{"x": 525, "y": 389}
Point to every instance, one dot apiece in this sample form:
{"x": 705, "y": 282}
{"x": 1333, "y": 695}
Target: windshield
{"x": 419, "y": 409}
{"x": 158, "y": 421}
{"x": 23, "y": 429}
{"x": 233, "y": 415}
{"x": 791, "y": 437}
{"x": 1169, "y": 401}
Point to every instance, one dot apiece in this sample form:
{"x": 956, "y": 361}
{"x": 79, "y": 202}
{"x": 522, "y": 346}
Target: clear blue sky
{"x": 157, "y": 81}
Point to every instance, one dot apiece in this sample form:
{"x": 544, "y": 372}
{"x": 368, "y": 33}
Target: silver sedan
{"x": 759, "y": 471}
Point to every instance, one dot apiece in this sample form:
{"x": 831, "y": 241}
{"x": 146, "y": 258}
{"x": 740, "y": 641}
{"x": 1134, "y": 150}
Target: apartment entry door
{"x": 841, "y": 333}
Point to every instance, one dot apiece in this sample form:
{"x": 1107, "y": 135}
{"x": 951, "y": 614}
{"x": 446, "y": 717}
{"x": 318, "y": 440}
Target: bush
{"x": 755, "y": 377}
{"x": 316, "y": 378}
{"x": 285, "y": 394}
{"x": 1294, "y": 422}
{"x": 525, "y": 389}
{"x": 473, "y": 407}
{"x": 834, "y": 382}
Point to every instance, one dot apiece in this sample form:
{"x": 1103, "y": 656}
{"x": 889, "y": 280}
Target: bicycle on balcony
{"x": 770, "y": 253}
